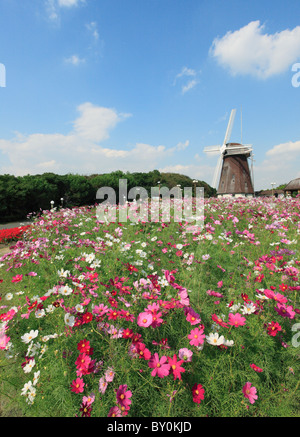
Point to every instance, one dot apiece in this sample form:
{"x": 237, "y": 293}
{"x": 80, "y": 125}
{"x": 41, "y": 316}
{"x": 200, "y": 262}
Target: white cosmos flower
{"x": 36, "y": 377}
{"x": 228, "y": 343}
{"x": 28, "y": 337}
{"x": 65, "y": 290}
{"x": 50, "y": 308}
{"x": 69, "y": 320}
{"x": 248, "y": 308}
{"x": 9, "y": 296}
{"x": 29, "y": 366}
{"x": 63, "y": 273}
{"x": 214, "y": 339}
{"x": 89, "y": 258}
{"x": 27, "y": 386}
{"x": 31, "y": 395}
{"x": 40, "y": 313}
{"x": 79, "y": 308}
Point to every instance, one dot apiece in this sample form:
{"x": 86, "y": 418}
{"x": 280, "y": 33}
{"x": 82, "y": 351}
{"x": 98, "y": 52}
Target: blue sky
{"x": 93, "y": 86}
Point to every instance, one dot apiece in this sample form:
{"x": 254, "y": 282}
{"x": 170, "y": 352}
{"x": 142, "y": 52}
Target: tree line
{"x": 22, "y": 195}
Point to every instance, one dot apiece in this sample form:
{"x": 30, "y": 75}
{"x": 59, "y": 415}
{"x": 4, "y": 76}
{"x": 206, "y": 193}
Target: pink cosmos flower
{"x": 123, "y": 396}
{"x": 185, "y": 354}
{"x": 100, "y": 310}
{"x": 250, "y": 392}
{"x": 196, "y": 336}
{"x": 145, "y": 319}
{"x": 159, "y": 366}
{"x": 102, "y": 385}
{"x": 3, "y": 341}
{"x": 88, "y": 400}
{"x": 236, "y": 320}
{"x": 114, "y": 412}
{"x": 109, "y": 374}
{"x": 214, "y": 293}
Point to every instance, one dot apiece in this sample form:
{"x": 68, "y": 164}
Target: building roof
{"x": 293, "y": 185}
{"x": 269, "y": 192}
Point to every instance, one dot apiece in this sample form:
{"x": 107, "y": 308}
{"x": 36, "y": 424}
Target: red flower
{"x": 113, "y": 314}
{"x": 245, "y": 297}
{"x": 86, "y": 409}
{"x": 283, "y": 287}
{"x": 198, "y": 393}
{"x": 256, "y": 368}
{"x": 77, "y": 385}
{"x": 17, "y": 278}
{"x": 219, "y": 321}
{"x": 83, "y": 346}
{"x": 87, "y": 317}
{"x": 127, "y": 333}
{"x": 176, "y": 368}
{"x": 273, "y": 328}
{"x": 131, "y": 268}
{"x": 143, "y": 351}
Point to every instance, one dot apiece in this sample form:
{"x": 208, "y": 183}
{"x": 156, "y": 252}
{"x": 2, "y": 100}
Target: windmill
{"x": 232, "y": 174}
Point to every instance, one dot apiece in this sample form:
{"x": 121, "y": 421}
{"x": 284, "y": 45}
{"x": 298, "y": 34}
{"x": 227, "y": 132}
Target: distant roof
{"x": 293, "y": 185}
{"x": 269, "y": 192}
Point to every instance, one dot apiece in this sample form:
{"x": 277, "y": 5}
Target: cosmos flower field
{"x": 146, "y": 319}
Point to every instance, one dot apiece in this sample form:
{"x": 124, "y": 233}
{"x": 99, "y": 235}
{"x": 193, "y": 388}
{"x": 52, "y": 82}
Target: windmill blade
{"x": 252, "y": 172}
{"x": 210, "y": 149}
{"x": 217, "y": 171}
{"x": 229, "y": 127}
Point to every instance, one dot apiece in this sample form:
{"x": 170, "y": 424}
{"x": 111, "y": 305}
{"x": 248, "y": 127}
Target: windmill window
{"x": 233, "y": 179}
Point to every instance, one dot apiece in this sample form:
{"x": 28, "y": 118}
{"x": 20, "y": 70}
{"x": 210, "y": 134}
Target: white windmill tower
{"x": 232, "y": 174}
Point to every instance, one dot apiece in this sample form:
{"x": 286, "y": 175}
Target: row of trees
{"x": 21, "y": 195}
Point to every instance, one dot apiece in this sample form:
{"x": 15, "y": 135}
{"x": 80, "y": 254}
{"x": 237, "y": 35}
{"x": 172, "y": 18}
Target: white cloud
{"x": 251, "y": 51}
{"x": 95, "y": 122}
{"x": 286, "y": 151}
{"x": 69, "y": 3}
{"x": 75, "y": 60}
{"x": 80, "y": 151}
{"x": 53, "y": 7}
{"x": 183, "y": 75}
{"x": 93, "y": 29}
{"x": 189, "y": 86}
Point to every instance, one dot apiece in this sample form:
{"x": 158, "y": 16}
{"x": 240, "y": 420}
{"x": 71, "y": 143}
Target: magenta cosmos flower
{"x": 198, "y": 393}
{"x": 196, "y": 336}
{"x": 77, "y": 385}
{"x": 17, "y": 278}
{"x": 123, "y": 396}
{"x": 176, "y": 368}
{"x": 250, "y": 392}
{"x": 144, "y": 319}
{"x": 160, "y": 366}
